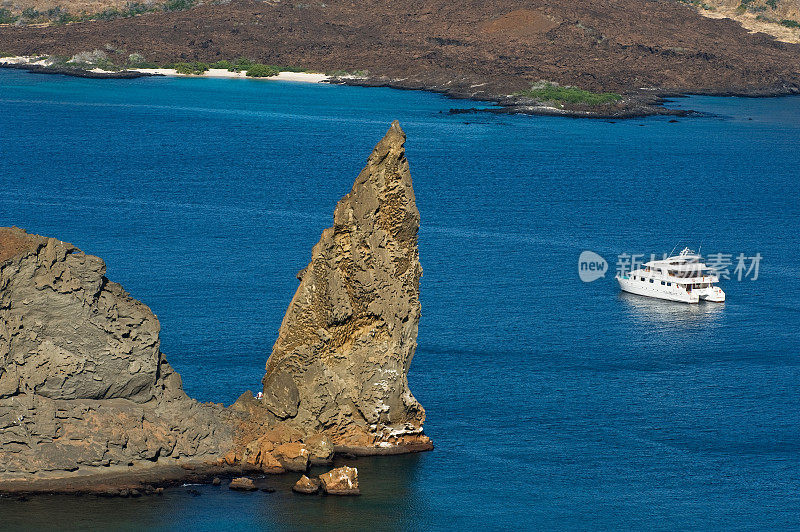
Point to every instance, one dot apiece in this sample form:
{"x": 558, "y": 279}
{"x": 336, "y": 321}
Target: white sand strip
{"x": 306, "y": 77}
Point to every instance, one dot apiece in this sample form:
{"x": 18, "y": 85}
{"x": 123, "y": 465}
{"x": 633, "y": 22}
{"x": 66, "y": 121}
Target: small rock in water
{"x": 193, "y": 492}
{"x": 306, "y": 485}
{"x": 216, "y": 481}
{"x": 340, "y": 481}
{"x": 268, "y": 489}
{"x": 242, "y": 484}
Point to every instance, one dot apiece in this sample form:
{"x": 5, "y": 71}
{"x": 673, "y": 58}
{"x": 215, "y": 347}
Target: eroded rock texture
{"x": 83, "y": 383}
{"x": 85, "y": 389}
{"x": 341, "y": 361}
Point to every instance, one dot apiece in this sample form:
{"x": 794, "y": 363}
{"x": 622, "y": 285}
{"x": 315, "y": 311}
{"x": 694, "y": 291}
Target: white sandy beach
{"x": 306, "y": 77}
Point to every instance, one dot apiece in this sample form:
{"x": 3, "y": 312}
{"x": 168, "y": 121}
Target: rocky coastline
{"x": 489, "y": 51}
{"x": 89, "y": 403}
{"x": 76, "y": 72}
{"x": 637, "y": 105}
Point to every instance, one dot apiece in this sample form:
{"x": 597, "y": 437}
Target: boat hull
{"x": 713, "y": 295}
{"x": 656, "y": 290}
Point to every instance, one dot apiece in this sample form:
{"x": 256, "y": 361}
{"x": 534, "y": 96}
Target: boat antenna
{"x": 673, "y": 250}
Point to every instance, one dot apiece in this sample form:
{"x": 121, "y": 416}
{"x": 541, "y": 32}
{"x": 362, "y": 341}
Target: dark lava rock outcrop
{"x": 341, "y": 361}
{"x": 83, "y": 383}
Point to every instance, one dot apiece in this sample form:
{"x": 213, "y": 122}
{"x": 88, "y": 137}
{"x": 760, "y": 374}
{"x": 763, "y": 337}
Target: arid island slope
{"x": 88, "y": 402}
{"x": 625, "y": 53}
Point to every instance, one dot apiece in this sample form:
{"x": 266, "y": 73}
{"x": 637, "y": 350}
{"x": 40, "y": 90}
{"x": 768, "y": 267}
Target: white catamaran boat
{"x": 680, "y": 278}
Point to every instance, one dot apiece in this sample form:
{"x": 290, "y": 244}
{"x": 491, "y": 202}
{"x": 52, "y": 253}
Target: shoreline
{"x": 641, "y": 104}
{"x": 45, "y": 66}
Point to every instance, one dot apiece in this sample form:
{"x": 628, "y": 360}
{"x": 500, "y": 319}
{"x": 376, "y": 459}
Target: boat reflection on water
{"x": 663, "y": 314}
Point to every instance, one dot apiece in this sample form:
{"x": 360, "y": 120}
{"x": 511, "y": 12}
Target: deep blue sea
{"x": 553, "y": 403}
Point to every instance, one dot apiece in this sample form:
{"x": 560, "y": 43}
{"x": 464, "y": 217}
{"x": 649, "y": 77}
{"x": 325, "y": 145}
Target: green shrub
{"x": 135, "y": 8}
{"x": 241, "y": 64}
{"x": 30, "y": 13}
{"x": 179, "y": 5}
{"x": 772, "y": 3}
{"x": 108, "y": 14}
{"x": 262, "y": 71}
{"x": 138, "y": 61}
{"x": 196, "y": 68}
{"x": 6, "y": 17}
{"x": 790, "y": 23}
{"x": 224, "y": 63}
{"x": 552, "y": 92}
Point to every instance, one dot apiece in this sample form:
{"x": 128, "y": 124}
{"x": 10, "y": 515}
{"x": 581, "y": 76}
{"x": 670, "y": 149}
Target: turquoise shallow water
{"x": 552, "y": 403}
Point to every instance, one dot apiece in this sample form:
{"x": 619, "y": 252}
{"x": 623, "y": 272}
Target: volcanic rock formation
{"x": 86, "y": 390}
{"x": 341, "y": 360}
{"x": 83, "y": 382}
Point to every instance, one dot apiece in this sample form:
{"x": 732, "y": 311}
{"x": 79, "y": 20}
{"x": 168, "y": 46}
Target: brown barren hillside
{"x": 779, "y": 18}
{"x": 479, "y": 49}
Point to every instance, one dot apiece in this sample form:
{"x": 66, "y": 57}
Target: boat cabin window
{"x": 689, "y": 274}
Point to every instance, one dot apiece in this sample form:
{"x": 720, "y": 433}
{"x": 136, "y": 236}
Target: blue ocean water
{"x": 552, "y": 403}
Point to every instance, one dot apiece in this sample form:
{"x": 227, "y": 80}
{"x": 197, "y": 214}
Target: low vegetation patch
{"x": 195, "y": 68}
{"x": 790, "y": 23}
{"x": 179, "y": 5}
{"x": 552, "y": 92}
{"x": 253, "y": 69}
{"x": 138, "y": 61}
{"x": 700, "y": 4}
{"x": 262, "y": 71}
{"x": 7, "y": 17}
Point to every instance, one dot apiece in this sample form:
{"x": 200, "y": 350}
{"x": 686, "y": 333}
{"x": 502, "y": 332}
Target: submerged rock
{"x": 341, "y": 360}
{"x": 307, "y": 486}
{"x": 340, "y": 481}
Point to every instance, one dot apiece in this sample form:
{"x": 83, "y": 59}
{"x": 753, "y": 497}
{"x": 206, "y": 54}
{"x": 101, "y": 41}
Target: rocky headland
{"x": 88, "y": 402}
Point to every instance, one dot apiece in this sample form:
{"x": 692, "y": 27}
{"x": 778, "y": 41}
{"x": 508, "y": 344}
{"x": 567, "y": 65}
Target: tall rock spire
{"x": 341, "y": 360}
